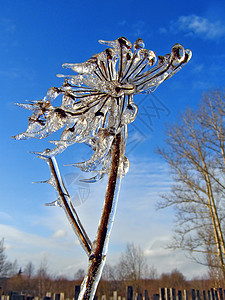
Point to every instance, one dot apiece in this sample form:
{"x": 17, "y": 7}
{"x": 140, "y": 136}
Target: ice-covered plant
{"x": 97, "y": 105}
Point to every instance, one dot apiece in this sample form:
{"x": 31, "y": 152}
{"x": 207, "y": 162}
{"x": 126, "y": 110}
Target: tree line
{"x": 132, "y": 269}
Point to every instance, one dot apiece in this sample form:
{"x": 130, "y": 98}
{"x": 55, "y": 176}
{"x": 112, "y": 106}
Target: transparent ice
{"x": 96, "y": 107}
{"x": 98, "y": 101}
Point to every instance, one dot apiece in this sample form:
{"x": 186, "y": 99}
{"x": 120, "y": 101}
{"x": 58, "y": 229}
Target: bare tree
{"x": 29, "y": 270}
{"x": 43, "y": 278}
{"x": 152, "y": 272}
{"x": 7, "y": 268}
{"x": 175, "y": 279}
{"x": 196, "y": 154}
{"x": 132, "y": 266}
{"x": 109, "y": 273}
{"x": 29, "y": 274}
{"x": 3, "y": 263}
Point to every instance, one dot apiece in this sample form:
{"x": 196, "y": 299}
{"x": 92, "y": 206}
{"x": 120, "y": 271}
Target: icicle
{"x": 25, "y": 105}
{"x": 50, "y": 181}
{"x": 57, "y": 202}
{"x": 125, "y": 166}
{"x": 129, "y": 113}
{"x": 93, "y": 179}
{"x": 43, "y": 155}
{"x": 83, "y": 68}
{"x": 177, "y": 54}
{"x": 53, "y": 93}
{"x": 138, "y": 44}
{"x": 114, "y": 44}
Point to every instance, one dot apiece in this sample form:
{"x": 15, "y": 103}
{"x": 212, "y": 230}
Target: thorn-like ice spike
{"x": 55, "y": 203}
{"x": 93, "y": 179}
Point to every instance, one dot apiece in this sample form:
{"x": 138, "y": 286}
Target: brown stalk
{"x": 97, "y": 257}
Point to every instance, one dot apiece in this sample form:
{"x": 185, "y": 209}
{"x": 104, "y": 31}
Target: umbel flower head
{"x": 97, "y": 102}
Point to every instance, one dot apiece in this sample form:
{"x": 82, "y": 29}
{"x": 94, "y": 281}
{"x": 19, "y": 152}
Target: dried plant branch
{"x": 68, "y": 207}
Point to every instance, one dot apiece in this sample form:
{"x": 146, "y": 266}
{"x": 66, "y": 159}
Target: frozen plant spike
{"x": 83, "y": 68}
{"x": 57, "y": 202}
{"x": 96, "y": 106}
{"x": 93, "y": 179}
{"x": 50, "y": 181}
{"x": 66, "y": 204}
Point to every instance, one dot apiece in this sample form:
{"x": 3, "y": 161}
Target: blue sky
{"x": 36, "y": 38}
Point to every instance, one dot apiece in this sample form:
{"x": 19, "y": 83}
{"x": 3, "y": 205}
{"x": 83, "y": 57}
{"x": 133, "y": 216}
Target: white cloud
{"x": 5, "y": 216}
{"x": 194, "y": 25}
{"x": 166, "y": 260}
{"x": 59, "y": 234}
{"x": 25, "y": 247}
{"x": 202, "y": 26}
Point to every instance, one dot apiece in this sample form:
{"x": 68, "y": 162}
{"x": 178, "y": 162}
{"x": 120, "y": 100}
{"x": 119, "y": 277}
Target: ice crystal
{"x": 97, "y": 103}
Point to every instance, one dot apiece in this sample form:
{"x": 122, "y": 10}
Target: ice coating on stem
{"x": 100, "y": 245}
{"x": 97, "y": 102}
{"x": 65, "y": 203}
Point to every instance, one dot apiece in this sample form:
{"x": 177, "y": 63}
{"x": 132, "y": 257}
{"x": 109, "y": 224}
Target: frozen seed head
{"x": 97, "y": 102}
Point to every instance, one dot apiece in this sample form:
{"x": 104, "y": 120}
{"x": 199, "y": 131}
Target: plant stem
{"x": 100, "y": 245}
{"x": 68, "y": 207}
